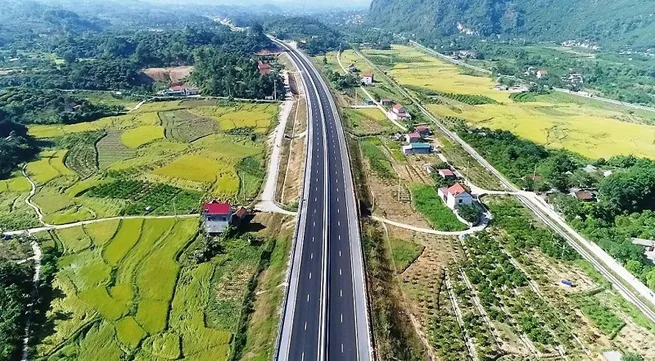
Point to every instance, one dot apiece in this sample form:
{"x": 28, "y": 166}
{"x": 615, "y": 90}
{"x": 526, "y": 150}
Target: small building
{"x": 367, "y": 78}
{"x": 179, "y": 90}
{"x": 455, "y": 196}
{"x": 542, "y": 73}
{"x": 429, "y": 169}
{"x": 413, "y": 138}
{"x": 417, "y": 148}
{"x": 584, "y": 196}
{"x": 612, "y": 356}
{"x": 386, "y": 102}
{"x": 218, "y": 217}
{"x": 264, "y": 68}
{"x": 423, "y": 130}
{"x": 649, "y": 247}
{"x": 447, "y": 174}
{"x": 398, "y": 112}
{"x": 352, "y": 68}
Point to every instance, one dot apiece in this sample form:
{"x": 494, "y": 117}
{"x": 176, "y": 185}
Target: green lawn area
{"x": 404, "y": 253}
{"x": 427, "y": 202}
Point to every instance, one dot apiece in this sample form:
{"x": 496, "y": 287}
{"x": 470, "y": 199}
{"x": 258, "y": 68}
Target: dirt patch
{"x": 293, "y": 165}
{"x": 173, "y": 75}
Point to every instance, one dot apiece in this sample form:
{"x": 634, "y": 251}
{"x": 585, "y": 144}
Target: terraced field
{"x": 131, "y": 290}
{"x": 183, "y": 151}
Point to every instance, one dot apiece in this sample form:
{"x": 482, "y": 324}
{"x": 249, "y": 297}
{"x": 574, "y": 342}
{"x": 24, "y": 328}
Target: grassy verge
{"x": 427, "y": 202}
{"x": 404, "y": 253}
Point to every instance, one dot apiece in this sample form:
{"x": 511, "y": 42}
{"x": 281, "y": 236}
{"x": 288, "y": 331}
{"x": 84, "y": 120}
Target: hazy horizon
{"x": 283, "y": 3}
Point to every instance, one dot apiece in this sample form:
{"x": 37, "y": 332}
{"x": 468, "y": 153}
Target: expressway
{"x": 325, "y": 311}
{"x": 631, "y": 288}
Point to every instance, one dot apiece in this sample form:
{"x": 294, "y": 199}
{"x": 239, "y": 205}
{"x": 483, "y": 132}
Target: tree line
{"x": 625, "y": 205}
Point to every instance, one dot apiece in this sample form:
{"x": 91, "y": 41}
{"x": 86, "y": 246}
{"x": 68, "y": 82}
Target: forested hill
{"x": 611, "y": 23}
{"x": 29, "y": 20}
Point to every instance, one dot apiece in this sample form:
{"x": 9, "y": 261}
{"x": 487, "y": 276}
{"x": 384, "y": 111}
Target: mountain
{"x": 612, "y": 23}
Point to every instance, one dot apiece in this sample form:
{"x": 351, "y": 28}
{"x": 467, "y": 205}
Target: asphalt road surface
{"x": 325, "y": 314}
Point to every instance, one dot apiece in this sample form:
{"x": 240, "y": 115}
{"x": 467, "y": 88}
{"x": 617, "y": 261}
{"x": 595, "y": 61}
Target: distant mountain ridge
{"x": 615, "y": 23}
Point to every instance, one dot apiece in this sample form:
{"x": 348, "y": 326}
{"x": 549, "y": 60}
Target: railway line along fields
{"x": 585, "y": 126}
{"x": 163, "y": 159}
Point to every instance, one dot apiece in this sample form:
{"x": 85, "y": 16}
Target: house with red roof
{"x": 423, "y": 129}
{"x": 367, "y": 78}
{"x": 413, "y": 138}
{"x": 455, "y": 196}
{"x": 398, "y": 112}
{"x": 447, "y": 174}
{"x": 218, "y": 217}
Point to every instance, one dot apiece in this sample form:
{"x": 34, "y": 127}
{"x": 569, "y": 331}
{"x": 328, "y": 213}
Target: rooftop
{"x": 419, "y": 145}
{"x": 216, "y": 208}
{"x": 446, "y": 172}
{"x": 457, "y": 189}
{"x": 368, "y": 74}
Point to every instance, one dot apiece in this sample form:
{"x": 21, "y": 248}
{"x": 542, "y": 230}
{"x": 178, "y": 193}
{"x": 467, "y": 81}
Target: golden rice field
{"x": 134, "y": 138}
{"x": 177, "y": 166}
{"x": 130, "y": 290}
{"x": 558, "y": 120}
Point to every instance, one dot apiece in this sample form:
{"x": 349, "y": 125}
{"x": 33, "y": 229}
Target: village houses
{"x": 542, "y": 74}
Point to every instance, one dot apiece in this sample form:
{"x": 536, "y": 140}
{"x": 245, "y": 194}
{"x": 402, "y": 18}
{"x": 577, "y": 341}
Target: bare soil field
{"x": 173, "y": 75}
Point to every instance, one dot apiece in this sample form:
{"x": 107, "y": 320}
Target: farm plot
{"x": 134, "y": 138}
{"x": 14, "y": 213}
{"x": 112, "y": 150}
{"x": 145, "y": 197}
{"x": 584, "y": 126}
{"x": 258, "y": 117}
{"x": 82, "y": 157}
{"x": 184, "y": 126}
{"x": 138, "y": 293}
{"x": 76, "y": 178}
{"x": 368, "y": 121}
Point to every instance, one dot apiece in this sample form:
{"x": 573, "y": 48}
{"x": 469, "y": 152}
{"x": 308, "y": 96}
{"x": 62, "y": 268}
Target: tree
{"x": 631, "y": 357}
{"x": 468, "y": 212}
{"x": 69, "y": 57}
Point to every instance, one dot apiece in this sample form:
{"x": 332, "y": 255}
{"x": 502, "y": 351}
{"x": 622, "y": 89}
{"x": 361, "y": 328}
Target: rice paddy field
{"x": 586, "y": 126}
{"x": 176, "y": 154}
{"x": 133, "y": 290}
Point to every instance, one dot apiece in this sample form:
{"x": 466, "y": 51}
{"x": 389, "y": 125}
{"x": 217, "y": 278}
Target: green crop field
{"x": 130, "y": 290}
{"x": 368, "y": 121}
{"x": 585, "y": 126}
{"x": 169, "y": 156}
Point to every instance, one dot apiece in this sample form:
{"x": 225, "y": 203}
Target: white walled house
{"x": 367, "y": 78}
{"x": 455, "y": 196}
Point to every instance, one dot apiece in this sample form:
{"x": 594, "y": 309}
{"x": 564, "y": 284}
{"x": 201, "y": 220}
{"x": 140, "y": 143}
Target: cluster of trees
{"x": 527, "y": 164}
{"x": 626, "y": 199}
{"x": 625, "y": 209}
{"x": 342, "y": 81}
{"x": 16, "y": 146}
{"x": 32, "y": 106}
{"x": 234, "y": 75}
{"x": 15, "y": 285}
{"x": 108, "y": 61}
{"x": 314, "y": 36}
